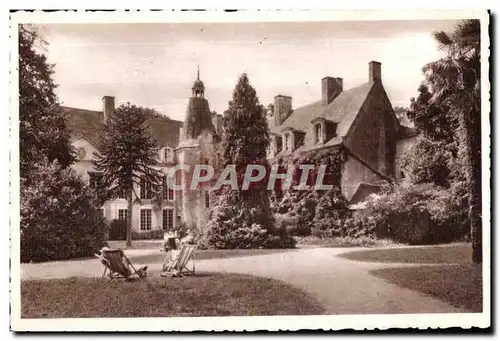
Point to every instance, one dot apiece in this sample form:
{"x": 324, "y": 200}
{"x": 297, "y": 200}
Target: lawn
{"x": 460, "y": 285}
{"x": 208, "y": 294}
{"x": 452, "y": 253}
{"x": 459, "y": 282}
{"x": 207, "y": 254}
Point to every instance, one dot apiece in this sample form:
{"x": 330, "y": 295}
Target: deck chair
{"x": 117, "y": 265}
{"x": 179, "y": 265}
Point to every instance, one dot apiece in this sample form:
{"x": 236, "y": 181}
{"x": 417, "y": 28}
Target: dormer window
{"x": 318, "y": 133}
{"x": 287, "y": 141}
{"x": 81, "y": 153}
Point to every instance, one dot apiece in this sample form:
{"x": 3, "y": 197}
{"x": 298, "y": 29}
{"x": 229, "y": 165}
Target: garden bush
{"x": 416, "y": 214}
{"x": 59, "y": 219}
{"x": 238, "y": 224}
{"x": 296, "y": 211}
{"x": 145, "y": 235}
{"x": 331, "y": 214}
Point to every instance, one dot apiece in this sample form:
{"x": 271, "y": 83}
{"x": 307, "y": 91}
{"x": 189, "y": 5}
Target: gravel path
{"x": 342, "y": 286}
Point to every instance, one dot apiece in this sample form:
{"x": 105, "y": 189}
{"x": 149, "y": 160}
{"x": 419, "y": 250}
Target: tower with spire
{"x": 198, "y": 137}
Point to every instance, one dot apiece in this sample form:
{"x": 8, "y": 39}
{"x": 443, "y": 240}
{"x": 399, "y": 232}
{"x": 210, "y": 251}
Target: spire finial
{"x": 198, "y": 67}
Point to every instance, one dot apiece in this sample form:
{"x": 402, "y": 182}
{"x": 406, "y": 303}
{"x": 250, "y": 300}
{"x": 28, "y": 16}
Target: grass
{"x": 459, "y": 282}
{"x": 208, "y": 294}
{"x": 207, "y": 254}
{"x": 453, "y": 253}
{"x": 459, "y": 285}
{"x": 342, "y": 241}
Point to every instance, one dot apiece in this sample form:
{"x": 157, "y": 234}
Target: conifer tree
{"x": 243, "y": 218}
{"x": 42, "y": 129}
{"x": 127, "y": 154}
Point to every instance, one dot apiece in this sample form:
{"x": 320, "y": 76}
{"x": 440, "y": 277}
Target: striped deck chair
{"x": 117, "y": 265}
{"x": 179, "y": 265}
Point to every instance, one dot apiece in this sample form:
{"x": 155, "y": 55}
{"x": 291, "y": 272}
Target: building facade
{"x": 189, "y": 142}
{"x": 360, "y": 121}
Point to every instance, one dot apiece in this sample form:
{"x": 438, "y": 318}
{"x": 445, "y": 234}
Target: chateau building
{"x": 360, "y": 120}
{"x": 191, "y": 145}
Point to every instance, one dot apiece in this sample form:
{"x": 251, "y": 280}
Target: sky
{"x": 154, "y": 65}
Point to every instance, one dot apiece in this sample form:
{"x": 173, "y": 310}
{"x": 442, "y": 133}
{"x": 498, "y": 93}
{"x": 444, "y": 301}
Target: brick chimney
{"x": 375, "y": 72}
{"x": 282, "y": 109}
{"x": 330, "y": 88}
{"x": 340, "y": 83}
{"x": 108, "y": 106}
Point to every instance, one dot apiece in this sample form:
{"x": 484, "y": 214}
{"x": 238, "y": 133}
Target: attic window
{"x": 287, "y": 142}
{"x": 81, "y": 153}
{"x": 318, "y": 133}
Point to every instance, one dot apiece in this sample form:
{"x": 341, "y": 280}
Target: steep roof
{"x": 342, "y": 110}
{"x": 90, "y": 125}
{"x": 198, "y": 118}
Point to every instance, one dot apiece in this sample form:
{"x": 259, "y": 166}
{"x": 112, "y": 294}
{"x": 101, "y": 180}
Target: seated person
{"x": 171, "y": 247}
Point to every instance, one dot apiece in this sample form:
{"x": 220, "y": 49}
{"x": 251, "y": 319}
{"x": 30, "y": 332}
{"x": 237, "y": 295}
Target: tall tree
{"x": 127, "y": 154}
{"x": 42, "y": 127}
{"x": 243, "y": 218}
{"x": 456, "y": 82}
{"x": 433, "y": 120}
{"x": 246, "y": 134}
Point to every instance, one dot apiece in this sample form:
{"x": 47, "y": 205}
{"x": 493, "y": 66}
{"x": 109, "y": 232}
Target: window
{"x": 145, "y": 219}
{"x": 287, "y": 138}
{"x": 168, "y": 193}
{"x": 81, "y": 153}
{"x": 270, "y": 149}
{"x": 168, "y": 154}
{"x": 318, "y": 133}
{"x": 146, "y": 192}
{"x": 95, "y": 180}
{"x": 168, "y": 219}
{"x": 122, "y": 214}
{"x": 207, "y": 199}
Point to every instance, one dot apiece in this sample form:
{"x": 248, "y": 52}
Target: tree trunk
{"x": 129, "y": 219}
{"x": 472, "y": 131}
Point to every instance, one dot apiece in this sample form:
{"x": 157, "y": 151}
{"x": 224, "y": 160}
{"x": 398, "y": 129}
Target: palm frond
{"x": 444, "y": 41}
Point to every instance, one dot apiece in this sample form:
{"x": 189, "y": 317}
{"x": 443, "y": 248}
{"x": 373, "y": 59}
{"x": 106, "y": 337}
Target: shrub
{"x": 330, "y": 215}
{"x": 364, "y": 241}
{"x": 118, "y": 229}
{"x": 296, "y": 212}
{"x": 59, "y": 219}
{"x": 238, "y": 224}
{"x": 415, "y": 214}
{"x": 145, "y": 235}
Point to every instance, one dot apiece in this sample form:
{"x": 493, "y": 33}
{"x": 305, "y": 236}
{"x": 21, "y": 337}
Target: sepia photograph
{"x": 256, "y": 171}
